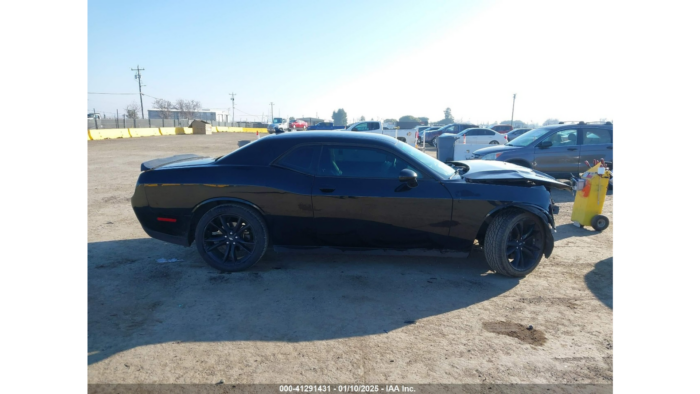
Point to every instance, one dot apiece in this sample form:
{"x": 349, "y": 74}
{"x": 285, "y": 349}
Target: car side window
{"x": 361, "y": 162}
{"x": 471, "y": 132}
{"x": 596, "y": 136}
{"x": 361, "y": 127}
{"x": 487, "y": 132}
{"x": 302, "y": 159}
{"x": 449, "y": 129}
{"x": 563, "y": 138}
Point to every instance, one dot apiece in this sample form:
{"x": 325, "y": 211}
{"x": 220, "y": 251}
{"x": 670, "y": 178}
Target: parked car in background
{"x": 278, "y": 125}
{"x": 516, "y": 133}
{"x": 502, "y": 128}
{"x": 405, "y": 135}
{"x": 292, "y": 190}
{"x": 422, "y": 132}
{"x": 325, "y": 126}
{"x": 559, "y": 150}
{"x": 298, "y": 125}
{"x": 482, "y": 136}
{"x": 94, "y": 116}
{"x": 453, "y": 128}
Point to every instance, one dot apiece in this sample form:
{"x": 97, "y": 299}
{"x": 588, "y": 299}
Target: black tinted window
{"x": 361, "y": 127}
{"x": 358, "y": 162}
{"x": 302, "y": 159}
{"x": 563, "y": 138}
{"x": 596, "y": 136}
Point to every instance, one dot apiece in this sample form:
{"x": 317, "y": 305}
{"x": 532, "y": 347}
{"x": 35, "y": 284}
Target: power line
{"x": 110, "y": 93}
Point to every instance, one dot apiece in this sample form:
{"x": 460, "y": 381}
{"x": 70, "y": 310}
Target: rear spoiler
{"x": 155, "y": 163}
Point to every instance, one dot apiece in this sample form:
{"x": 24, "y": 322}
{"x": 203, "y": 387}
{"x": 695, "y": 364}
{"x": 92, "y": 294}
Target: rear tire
{"x": 514, "y": 243}
{"x": 494, "y": 142}
{"x": 231, "y": 237}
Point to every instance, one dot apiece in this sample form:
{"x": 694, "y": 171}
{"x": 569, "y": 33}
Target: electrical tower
{"x": 272, "y": 111}
{"x": 233, "y": 108}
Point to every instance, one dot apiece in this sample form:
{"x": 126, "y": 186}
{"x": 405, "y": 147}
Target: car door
{"x": 291, "y": 220}
{"x": 561, "y": 158}
{"x": 596, "y": 144}
{"x": 358, "y": 201}
{"x": 473, "y": 137}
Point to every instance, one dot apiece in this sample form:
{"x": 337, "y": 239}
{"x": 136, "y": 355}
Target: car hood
{"x": 499, "y": 172}
{"x": 188, "y": 160}
{"x": 495, "y": 149}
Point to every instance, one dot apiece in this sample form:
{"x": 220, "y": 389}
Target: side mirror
{"x": 545, "y": 144}
{"x": 408, "y": 176}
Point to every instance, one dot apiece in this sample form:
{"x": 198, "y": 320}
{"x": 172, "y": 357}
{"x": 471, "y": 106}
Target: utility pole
{"x": 233, "y": 108}
{"x": 512, "y": 112}
{"x": 272, "y": 111}
{"x": 138, "y": 76}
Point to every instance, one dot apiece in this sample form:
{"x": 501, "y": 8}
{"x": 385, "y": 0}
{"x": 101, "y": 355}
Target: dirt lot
{"x": 332, "y": 317}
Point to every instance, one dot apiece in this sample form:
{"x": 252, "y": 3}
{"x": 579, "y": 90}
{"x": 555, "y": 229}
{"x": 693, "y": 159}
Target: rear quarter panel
{"x": 175, "y": 193}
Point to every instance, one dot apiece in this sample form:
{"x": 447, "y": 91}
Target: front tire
{"x": 231, "y": 237}
{"x": 494, "y": 142}
{"x": 514, "y": 243}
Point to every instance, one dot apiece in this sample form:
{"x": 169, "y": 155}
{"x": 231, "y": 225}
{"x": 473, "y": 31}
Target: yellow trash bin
{"x": 590, "y": 197}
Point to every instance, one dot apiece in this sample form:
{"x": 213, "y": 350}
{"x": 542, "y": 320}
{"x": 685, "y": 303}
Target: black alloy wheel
{"x": 514, "y": 243}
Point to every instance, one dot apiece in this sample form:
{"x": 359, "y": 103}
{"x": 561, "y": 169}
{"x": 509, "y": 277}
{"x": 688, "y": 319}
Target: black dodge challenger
{"x": 347, "y": 190}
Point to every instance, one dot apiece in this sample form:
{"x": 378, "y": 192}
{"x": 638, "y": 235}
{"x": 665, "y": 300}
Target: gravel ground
{"x": 303, "y": 317}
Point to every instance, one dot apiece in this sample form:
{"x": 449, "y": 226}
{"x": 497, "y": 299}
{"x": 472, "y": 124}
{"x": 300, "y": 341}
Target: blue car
{"x": 558, "y": 150}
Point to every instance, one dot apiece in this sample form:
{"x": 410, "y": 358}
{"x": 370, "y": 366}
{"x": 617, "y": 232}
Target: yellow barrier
{"x": 105, "y": 134}
{"x": 220, "y": 129}
{"x": 167, "y": 131}
{"x": 235, "y": 129}
{"x": 144, "y": 132}
{"x": 253, "y": 130}
{"x": 89, "y": 138}
{"x": 183, "y": 130}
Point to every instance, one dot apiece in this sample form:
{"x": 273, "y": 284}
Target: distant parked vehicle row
{"x": 502, "y": 128}
{"x": 453, "y": 128}
{"x": 325, "y": 126}
{"x": 558, "y": 150}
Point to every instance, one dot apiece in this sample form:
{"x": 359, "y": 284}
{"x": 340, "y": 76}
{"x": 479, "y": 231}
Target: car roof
{"x": 332, "y": 136}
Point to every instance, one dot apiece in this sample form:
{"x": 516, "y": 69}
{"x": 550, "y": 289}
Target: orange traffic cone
{"x": 257, "y": 133}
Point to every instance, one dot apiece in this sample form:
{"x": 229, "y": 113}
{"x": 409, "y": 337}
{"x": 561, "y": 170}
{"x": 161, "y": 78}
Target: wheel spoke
{"x": 529, "y": 233}
{"x": 510, "y": 250}
{"x": 528, "y": 252}
{"x": 215, "y": 246}
{"x": 233, "y": 253}
{"x": 241, "y": 229}
{"x": 216, "y": 239}
{"x": 518, "y": 258}
{"x": 242, "y": 245}
{"x": 246, "y": 242}
{"x": 217, "y": 227}
{"x": 224, "y": 225}
{"x": 532, "y": 248}
{"x": 228, "y": 251}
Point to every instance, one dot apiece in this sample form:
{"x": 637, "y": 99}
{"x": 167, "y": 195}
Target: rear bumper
{"x": 173, "y": 239}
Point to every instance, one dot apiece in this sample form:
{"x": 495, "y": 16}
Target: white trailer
{"x": 405, "y": 135}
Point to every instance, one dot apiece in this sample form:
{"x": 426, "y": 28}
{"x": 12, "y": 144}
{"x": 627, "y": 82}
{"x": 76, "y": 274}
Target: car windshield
{"x": 428, "y": 161}
{"x": 527, "y": 138}
{"x": 278, "y": 120}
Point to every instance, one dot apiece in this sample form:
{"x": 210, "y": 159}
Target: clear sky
{"x": 378, "y": 59}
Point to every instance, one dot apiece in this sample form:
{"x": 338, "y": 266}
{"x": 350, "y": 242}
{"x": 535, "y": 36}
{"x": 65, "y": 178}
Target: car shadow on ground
{"x": 600, "y": 281}
{"x": 134, "y": 300}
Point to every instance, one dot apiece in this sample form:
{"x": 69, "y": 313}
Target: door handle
{"x": 609, "y": 147}
{"x": 572, "y": 149}
{"x": 327, "y": 190}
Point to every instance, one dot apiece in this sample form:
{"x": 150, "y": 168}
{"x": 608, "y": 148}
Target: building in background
{"x": 210, "y": 115}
